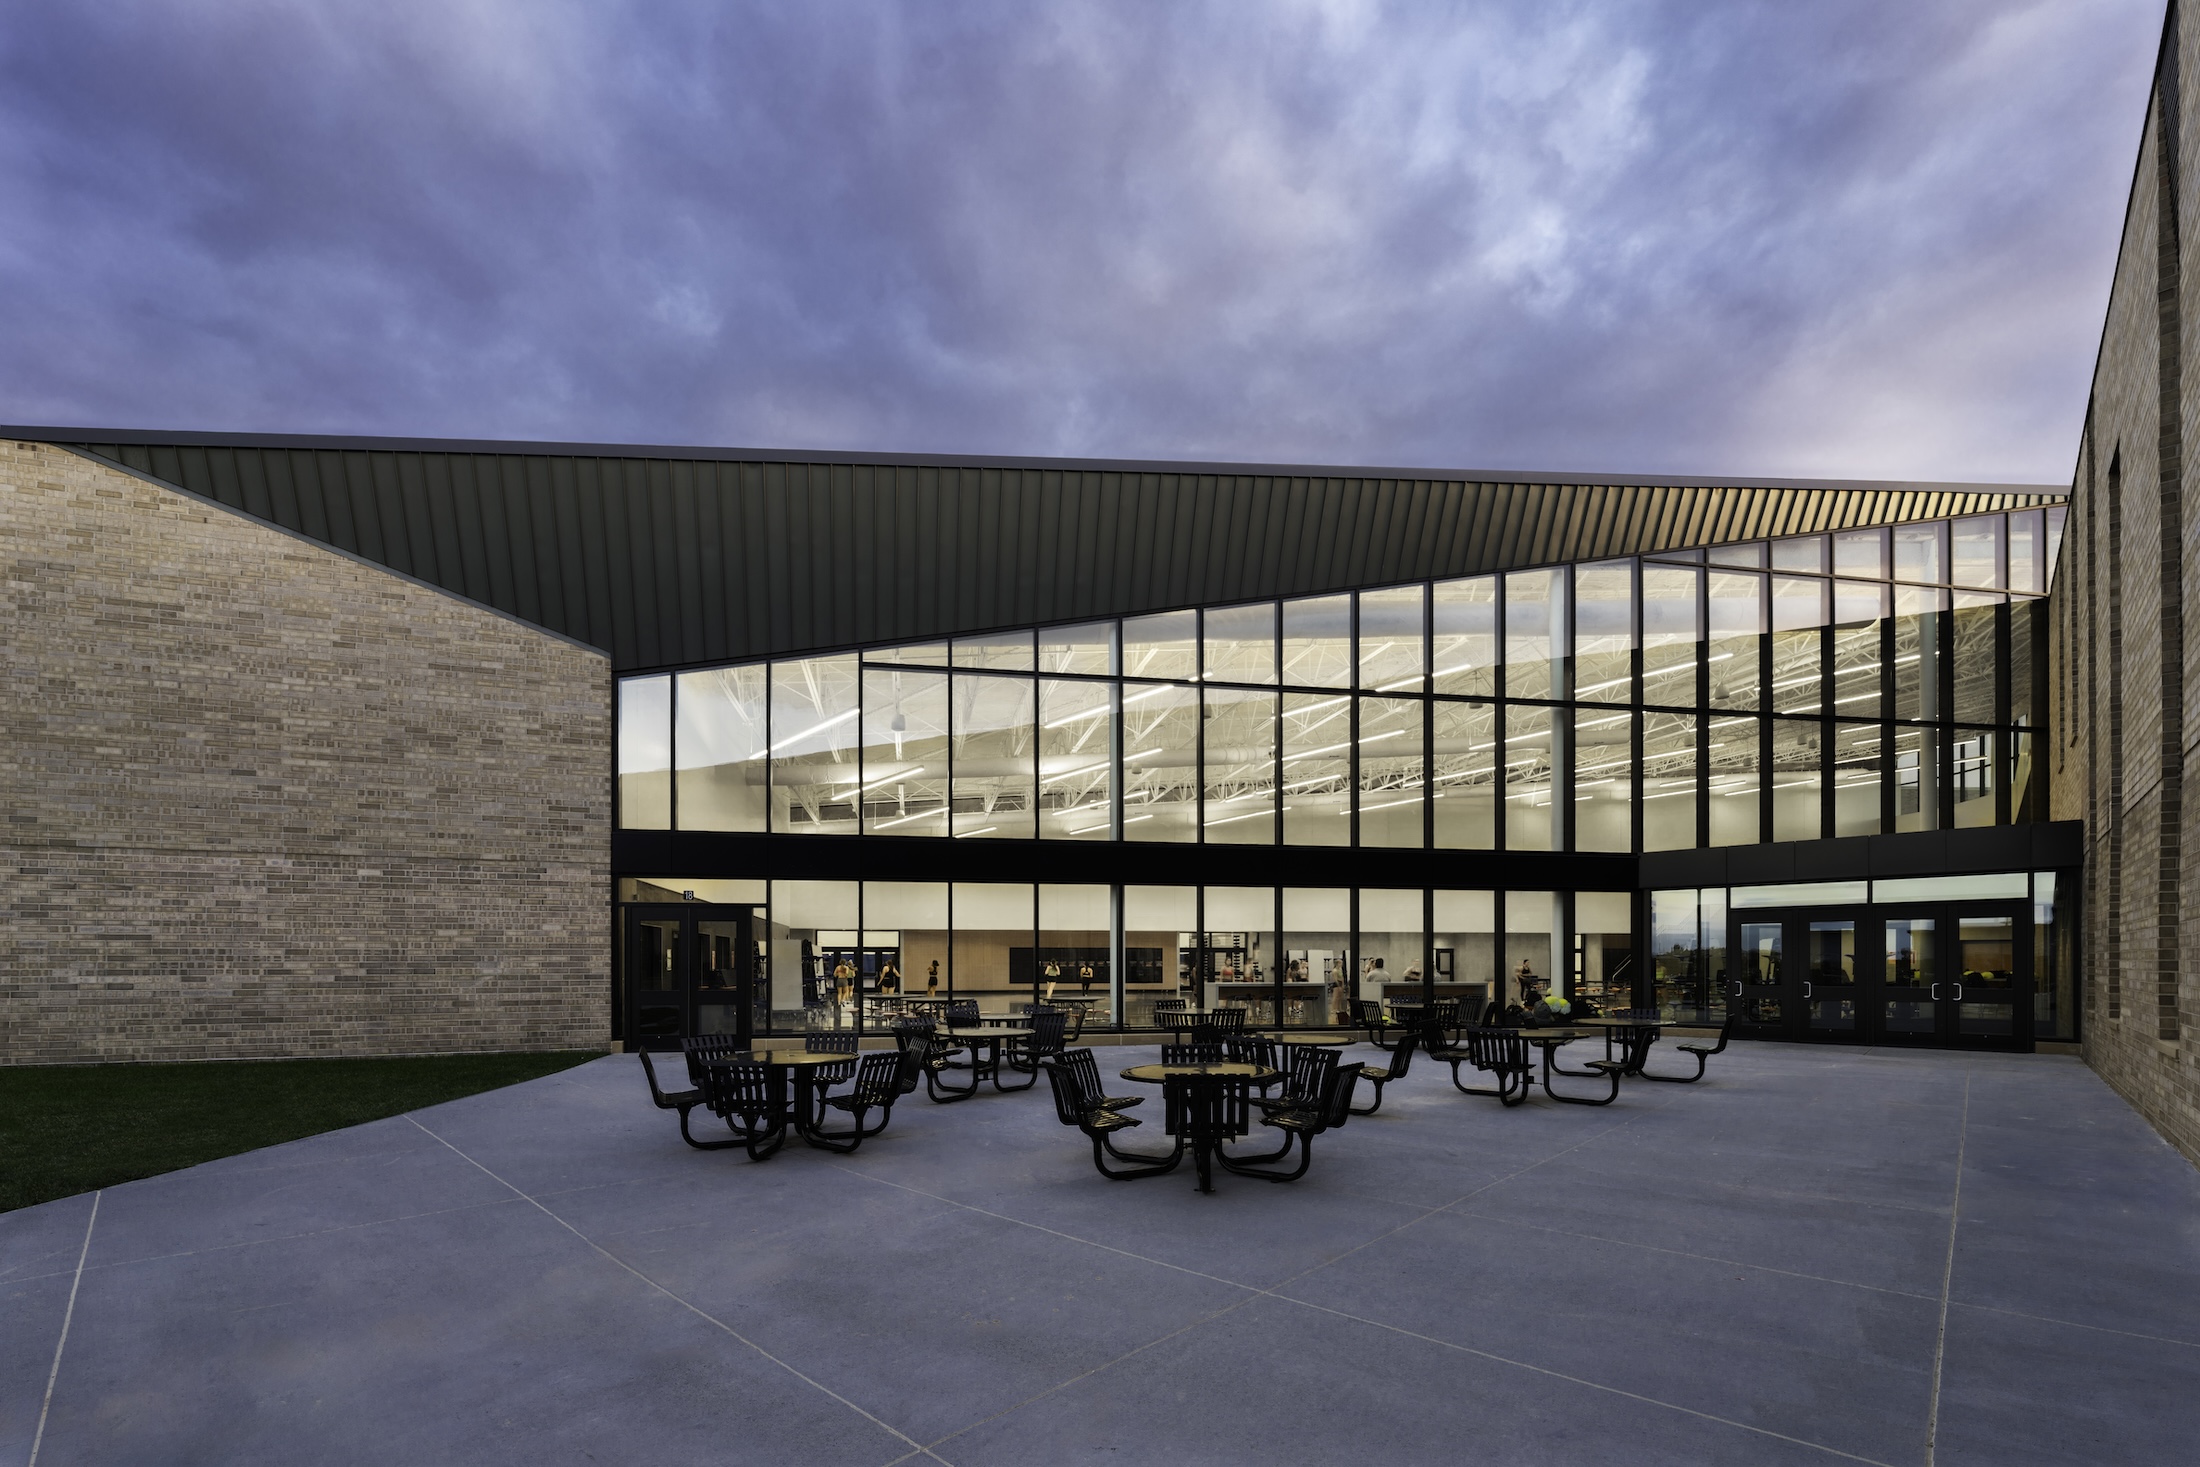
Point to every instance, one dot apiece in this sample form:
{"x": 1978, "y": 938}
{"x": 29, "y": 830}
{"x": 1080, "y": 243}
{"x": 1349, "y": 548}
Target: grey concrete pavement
{"x": 1816, "y": 1255}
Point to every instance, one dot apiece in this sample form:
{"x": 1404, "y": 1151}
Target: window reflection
{"x": 1113, "y": 739}
{"x": 1240, "y": 765}
{"x": 1317, "y": 769}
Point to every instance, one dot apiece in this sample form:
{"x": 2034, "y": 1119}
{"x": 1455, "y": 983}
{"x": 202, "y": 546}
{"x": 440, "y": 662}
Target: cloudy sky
{"x": 1852, "y": 238}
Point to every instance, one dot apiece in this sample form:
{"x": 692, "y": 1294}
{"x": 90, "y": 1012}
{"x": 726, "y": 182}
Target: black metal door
{"x": 690, "y": 969}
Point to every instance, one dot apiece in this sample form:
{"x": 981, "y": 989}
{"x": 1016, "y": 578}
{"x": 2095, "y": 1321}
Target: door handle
{"x": 1806, "y": 990}
{"x": 1959, "y": 991}
{"x": 1936, "y": 992}
{"x": 1737, "y": 990}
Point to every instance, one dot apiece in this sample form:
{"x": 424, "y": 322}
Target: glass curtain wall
{"x": 1842, "y": 684}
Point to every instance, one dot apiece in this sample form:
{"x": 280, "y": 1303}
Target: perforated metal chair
{"x": 1370, "y": 1017}
{"x": 1327, "y": 1110}
{"x": 1193, "y": 1052}
{"x": 1499, "y": 1052}
{"x": 1401, "y": 1059}
{"x": 877, "y": 1087}
{"x": 747, "y": 1098}
{"x": 1702, "y": 1053}
{"x": 1076, "y": 1104}
{"x": 682, "y": 1101}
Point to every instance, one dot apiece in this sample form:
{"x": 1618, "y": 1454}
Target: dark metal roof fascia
{"x": 342, "y": 443}
{"x": 612, "y": 541}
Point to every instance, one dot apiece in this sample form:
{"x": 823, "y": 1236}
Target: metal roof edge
{"x": 123, "y": 437}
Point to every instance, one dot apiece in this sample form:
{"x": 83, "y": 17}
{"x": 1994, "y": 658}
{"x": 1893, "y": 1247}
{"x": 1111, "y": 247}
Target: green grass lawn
{"x": 70, "y": 1129}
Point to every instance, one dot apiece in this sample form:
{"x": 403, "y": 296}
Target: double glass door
{"x": 1937, "y": 974}
{"x": 690, "y": 969}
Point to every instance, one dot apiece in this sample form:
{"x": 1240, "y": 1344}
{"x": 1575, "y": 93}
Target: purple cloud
{"x": 1854, "y": 238}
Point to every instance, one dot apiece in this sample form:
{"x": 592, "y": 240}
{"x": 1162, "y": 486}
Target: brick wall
{"x": 264, "y": 800}
{"x": 2122, "y": 659}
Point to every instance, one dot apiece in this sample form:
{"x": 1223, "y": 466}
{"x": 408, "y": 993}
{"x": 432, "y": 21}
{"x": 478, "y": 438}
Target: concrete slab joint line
{"x": 1948, "y": 1273}
{"x": 622, "y": 1264}
{"x": 68, "y": 1316}
{"x": 1255, "y": 1294}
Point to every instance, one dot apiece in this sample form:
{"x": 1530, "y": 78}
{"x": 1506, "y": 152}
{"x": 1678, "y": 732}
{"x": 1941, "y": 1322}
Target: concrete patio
{"x": 1815, "y": 1255}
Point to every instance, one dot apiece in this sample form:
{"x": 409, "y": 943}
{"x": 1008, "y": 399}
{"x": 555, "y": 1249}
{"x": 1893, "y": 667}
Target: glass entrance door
{"x": 1910, "y": 981}
{"x": 1991, "y": 1001}
{"x": 1761, "y": 994}
{"x": 656, "y": 975}
{"x": 1832, "y": 996}
{"x": 689, "y": 969}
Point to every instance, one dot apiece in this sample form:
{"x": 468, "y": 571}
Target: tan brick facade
{"x": 2125, "y": 669}
{"x": 265, "y": 800}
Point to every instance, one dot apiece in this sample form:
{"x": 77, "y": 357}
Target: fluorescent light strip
{"x": 981, "y": 830}
{"x": 1248, "y": 815}
{"x": 905, "y": 819}
{"x": 814, "y": 728}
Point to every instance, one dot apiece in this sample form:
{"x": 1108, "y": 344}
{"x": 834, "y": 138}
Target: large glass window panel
{"x": 1604, "y": 944}
{"x": 996, "y": 757}
{"x": 1465, "y": 948}
{"x": 993, "y": 943}
{"x": 1737, "y": 616}
{"x": 1390, "y": 943}
{"x": 1668, "y": 781}
{"x": 1921, "y": 552}
{"x": 1076, "y": 760}
{"x": 1603, "y": 780}
{"x": 1860, "y": 553}
{"x": 1239, "y": 951}
{"x": 1241, "y": 643}
{"x": 1604, "y": 631}
{"x": 905, "y": 744}
{"x": 1735, "y": 781}
{"x": 1801, "y": 553}
{"x": 807, "y": 919}
{"x": 1798, "y": 779}
{"x": 1859, "y": 772}
{"x": 1073, "y": 948}
{"x": 1800, "y": 611}
{"x": 1163, "y": 645}
{"x": 915, "y": 912}
{"x": 1974, "y": 551}
{"x": 645, "y": 753}
{"x": 915, "y": 654}
{"x": 1530, "y": 811}
{"x": 996, "y": 651}
{"x": 1917, "y": 779}
{"x": 1750, "y": 554}
{"x": 1917, "y": 614}
{"x": 2021, "y": 691}
{"x": 723, "y": 734}
{"x": 1087, "y": 648}
{"x": 1317, "y": 943}
{"x": 1531, "y": 942}
{"x": 1464, "y": 786}
{"x": 1971, "y": 767}
{"x": 1317, "y": 769}
{"x": 1393, "y": 782}
{"x": 1240, "y": 767}
{"x": 2026, "y": 572}
{"x": 1859, "y": 666}
{"x": 1159, "y": 925}
{"x": 1535, "y": 634}
{"x": 813, "y": 749}
{"x": 1160, "y": 762}
{"x": 1676, "y": 960}
{"x": 2056, "y": 515}
{"x": 1393, "y": 643}
{"x": 1974, "y": 665}
{"x": 1463, "y": 618}
{"x": 1672, "y": 634}
{"x": 1317, "y": 642}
